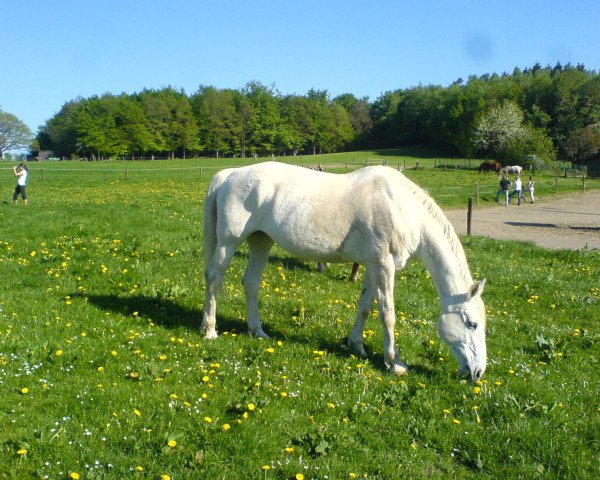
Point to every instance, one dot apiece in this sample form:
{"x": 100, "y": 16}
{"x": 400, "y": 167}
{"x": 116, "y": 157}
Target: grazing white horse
{"x": 374, "y": 216}
{"x": 512, "y": 169}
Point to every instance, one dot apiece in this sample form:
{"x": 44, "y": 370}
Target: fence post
{"x": 556, "y": 186}
{"x": 126, "y": 174}
{"x": 469, "y": 215}
{"x": 42, "y": 174}
{"x": 477, "y": 192}
{"x": 583, "y": 179}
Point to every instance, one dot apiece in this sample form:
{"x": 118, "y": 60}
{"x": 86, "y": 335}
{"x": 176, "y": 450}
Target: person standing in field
{"x": 530, "y": 188}
{"x": 504, "y": 186}
{"x": 517, "y": 190}
{"x": 21, "y": 173}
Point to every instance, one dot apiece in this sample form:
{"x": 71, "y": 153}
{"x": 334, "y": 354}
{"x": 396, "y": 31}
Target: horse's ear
{"x": 476, "y": 289}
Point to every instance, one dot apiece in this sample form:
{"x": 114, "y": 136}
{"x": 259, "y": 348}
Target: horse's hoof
{"x": 398, "y": 369}
{"x": 260, "y": 334}
{"x": 357, "y": 349}
{"x": 210, "y": 335}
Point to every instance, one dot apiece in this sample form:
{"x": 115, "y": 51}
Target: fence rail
{"x": 480, "y": 192}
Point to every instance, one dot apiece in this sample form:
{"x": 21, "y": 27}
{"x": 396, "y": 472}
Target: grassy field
{"x": 104, "y": 373}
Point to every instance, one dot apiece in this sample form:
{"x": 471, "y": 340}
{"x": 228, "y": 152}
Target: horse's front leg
{"x": 260, "y": 245}
{"x": 213, "y": 277}
{"x": 365, "y": 302}
{"x": 384, "y": 280}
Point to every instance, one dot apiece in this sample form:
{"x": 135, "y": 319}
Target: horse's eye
{"x": 471, "y": 325}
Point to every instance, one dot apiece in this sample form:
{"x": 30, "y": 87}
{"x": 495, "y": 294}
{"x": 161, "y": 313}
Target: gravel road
{"x": 566, "y": 222}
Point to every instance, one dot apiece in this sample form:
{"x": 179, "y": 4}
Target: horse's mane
{"x": 446, "y": 227}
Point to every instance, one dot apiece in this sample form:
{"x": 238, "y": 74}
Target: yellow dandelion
{"x": 266, "y": 467}
{"x": 24, "y": 390}
{"x": 226, "y": 427}
{"x": 172, "y": 443}
{"x": 74, "y": 475}
{"x": 58, "y": 353}
{"x": 139, "y": 468}
{"x": 476, "y": 390}
{"x": 165, "y": 477}
{"x": 251, "y": 407}
{"x": 289, "y": 450}
{"x": 208, "y": 419}
{"x": 22, "y": 451}
{"x": 456, "y": 421}
{"x": 270, "y": 350}
{"x": 299, "y": 476}
{"x": 137, "y": 412}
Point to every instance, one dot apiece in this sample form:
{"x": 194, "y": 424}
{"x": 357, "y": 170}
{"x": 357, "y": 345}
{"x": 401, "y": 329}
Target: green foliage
{"x": 14, "y": 134}
{"x": 104, "y": 373}
{"x": 546, "y": 106}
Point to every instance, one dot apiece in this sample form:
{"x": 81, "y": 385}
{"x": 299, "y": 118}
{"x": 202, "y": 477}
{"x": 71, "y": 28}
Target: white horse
{"x": 512, "y": 169}
{"x": 374, "y": 216}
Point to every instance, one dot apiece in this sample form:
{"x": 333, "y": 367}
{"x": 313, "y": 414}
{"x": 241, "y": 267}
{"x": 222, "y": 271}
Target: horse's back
{"x": 319, "y": 215}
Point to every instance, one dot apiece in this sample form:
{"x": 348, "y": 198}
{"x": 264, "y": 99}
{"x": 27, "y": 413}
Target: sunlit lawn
{"x": 104, "y": 373}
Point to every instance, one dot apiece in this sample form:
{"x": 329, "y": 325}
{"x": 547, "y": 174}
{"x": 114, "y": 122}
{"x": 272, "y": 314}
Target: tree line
{"x": 535, "y": 113}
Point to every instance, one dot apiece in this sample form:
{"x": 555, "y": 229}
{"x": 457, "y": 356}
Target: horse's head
{"x": 462, "y": 327}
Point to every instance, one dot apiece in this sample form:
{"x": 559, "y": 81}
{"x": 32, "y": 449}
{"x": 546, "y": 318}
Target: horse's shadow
{"x": 340, "y": 349}
{"x": 169, "y": 314}
{"x": 161, "y": 312}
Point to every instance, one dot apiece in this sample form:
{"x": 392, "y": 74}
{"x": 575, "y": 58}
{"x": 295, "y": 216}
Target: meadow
{"x": 105, "y": 375}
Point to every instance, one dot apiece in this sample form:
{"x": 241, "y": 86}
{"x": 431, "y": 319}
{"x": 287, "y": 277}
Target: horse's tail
{"x": 210, "y": 214}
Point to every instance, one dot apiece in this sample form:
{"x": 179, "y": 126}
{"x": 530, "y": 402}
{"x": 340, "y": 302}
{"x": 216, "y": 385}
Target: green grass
{"x": 102, "y": 299}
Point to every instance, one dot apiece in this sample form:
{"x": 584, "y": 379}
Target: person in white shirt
{"x": 21, "y": 173}
{"x": 530, "y": 188}
{"x": 517, "y": 185}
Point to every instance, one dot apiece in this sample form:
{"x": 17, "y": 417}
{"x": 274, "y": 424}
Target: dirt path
{"x": 570, "y": 222}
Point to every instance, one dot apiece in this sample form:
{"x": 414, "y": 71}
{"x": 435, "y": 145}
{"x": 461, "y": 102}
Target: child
{"x": 517, "y": 190}
{"x": 21, "y": 174}
{"x": 530, "y": 188}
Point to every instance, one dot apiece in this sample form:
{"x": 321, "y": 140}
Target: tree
{"x": 502, "y": 133}
{"x": 583, "y": 143}
{"x": 497, "y": 127}
{"x": 214, "y": 111}
{"x": 14, "y": 134}
{"x": 59, "y": 134}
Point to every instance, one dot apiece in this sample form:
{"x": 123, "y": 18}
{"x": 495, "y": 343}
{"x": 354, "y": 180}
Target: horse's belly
{"x": 305, "y": 242}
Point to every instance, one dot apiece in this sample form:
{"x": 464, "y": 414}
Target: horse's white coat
{"x": 512, "y": 169}
{"x": 374, "y": 216}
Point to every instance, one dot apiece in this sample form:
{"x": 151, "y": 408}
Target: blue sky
{"x": 54, "y": 51}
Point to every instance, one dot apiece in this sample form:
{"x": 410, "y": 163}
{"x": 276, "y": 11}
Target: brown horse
{"x": 489, "y": 166}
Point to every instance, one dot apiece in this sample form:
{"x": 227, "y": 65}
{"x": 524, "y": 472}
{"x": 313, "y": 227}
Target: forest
{"x": 538, "y": 113}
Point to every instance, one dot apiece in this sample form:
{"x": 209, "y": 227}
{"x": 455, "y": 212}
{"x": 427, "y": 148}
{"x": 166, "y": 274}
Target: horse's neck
{"x": 447, "y": 266}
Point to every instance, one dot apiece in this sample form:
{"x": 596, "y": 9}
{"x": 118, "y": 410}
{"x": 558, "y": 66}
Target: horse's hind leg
{"x": 365, "y": 302}
{"x": 213, "y": 276}
{"x": 260, "y": 244}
